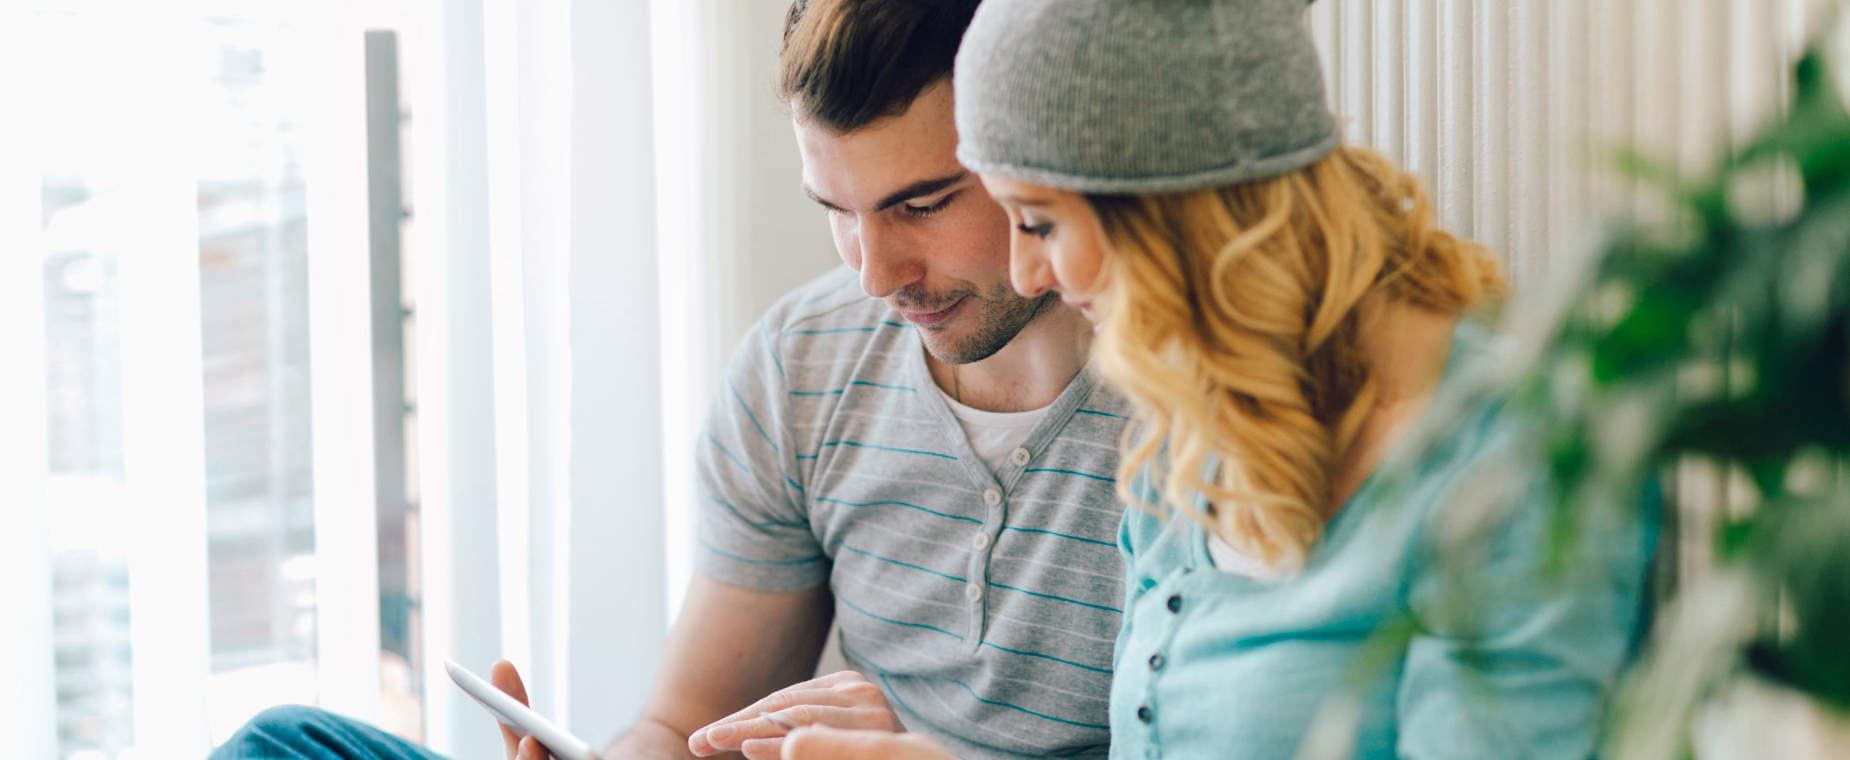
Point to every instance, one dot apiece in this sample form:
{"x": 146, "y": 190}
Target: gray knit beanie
{"x": 1140, "y": 96}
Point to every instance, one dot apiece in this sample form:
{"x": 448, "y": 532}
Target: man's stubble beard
{"x": 1003, "y": 316}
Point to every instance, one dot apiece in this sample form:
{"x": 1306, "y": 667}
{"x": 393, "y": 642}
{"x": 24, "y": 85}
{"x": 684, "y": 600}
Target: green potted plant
{"x": 1721, "y": 336}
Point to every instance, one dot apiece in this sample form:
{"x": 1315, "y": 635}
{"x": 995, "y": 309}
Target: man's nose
{"x": 888, "y": 261}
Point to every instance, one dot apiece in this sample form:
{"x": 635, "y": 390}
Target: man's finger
{"x": 502, "y": 675}
{"x": 505, "y": 677}
{"x": 531, "y": 749}
{"x": 793, "y": 708}
{"x": 838, "y": 677}
{"x": 786, "y": 698}
{"x": 822, "y": 743}
{"x": 763, "y": 749}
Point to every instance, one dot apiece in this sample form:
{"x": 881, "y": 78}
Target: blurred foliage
{"x": 1722, "y": 335}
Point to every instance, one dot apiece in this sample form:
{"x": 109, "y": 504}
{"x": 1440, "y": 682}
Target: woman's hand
{"x": 841, "y": 700}
{"x": 822, "y": 743}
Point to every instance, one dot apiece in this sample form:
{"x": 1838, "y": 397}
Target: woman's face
{"x": 1056, "y": 244}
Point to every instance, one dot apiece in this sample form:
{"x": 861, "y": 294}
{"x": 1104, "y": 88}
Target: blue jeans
{"x": 294, "y": 732}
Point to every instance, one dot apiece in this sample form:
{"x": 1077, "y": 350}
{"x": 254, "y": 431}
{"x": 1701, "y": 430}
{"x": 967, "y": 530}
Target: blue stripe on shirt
{"x": 903, "y": 504}
{"x": 752, "y": 417}
{"x": 729, "y": 454}
{"x": 1059, "y": 598}
{"x": 856, "y": 608}
{"x": 831, "y": 330}
{"x": 889, "y": 448}
{"x": 894, "y": 693}
{"x": 1072, "y": 472}
{"x": 769, "y": 524}
{"x": 771, "y": 349}
{"x": 724, "y": 553}
{"x": 830, "y": 291}
{"x": 1111, "y": 544}
{"x": 1106, "y": 671}
{"x": 856, "y": 382}
{"x": 907, "y": 564}
{"x": 1024, "y": 709}
{"x": 1101, "y": 414}
{"x": 878, "y": 385}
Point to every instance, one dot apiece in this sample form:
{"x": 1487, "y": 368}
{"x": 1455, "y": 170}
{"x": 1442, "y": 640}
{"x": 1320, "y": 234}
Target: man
{"x": 917, "y": 455}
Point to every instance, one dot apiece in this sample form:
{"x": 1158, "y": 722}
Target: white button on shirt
{"x": 1020, "y": 457}
{"x": 981, "y": 541}
{"x": 973, "y": 592}
{"x": 992, "y": 496}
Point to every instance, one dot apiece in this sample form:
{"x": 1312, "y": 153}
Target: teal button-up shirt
{"x": 1515, "y": 662}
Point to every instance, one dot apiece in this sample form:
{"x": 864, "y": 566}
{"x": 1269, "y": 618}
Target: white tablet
{"x": 518, "y": 718}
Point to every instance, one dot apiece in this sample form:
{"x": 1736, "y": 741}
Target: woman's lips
{"x": 934, "y": 317}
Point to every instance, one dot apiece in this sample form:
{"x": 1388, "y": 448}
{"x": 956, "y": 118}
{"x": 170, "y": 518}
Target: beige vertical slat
{"x": 1753, "y": 83}
{"x": 1658, "y": 126}
{"x": 1325, "y": 29}
{"x": 1422, "y": 104}
{"x": 1567, "y": 123}
{"x": 1613, "y": 125}
{"x": 1491, "y": 154}
{"x": 1529, "y": 198}
{"x": 1389, "y": 74}
{"x": 1358, "y": 66}
{"x": 1703, "y": 107}
{"x": 1455, "y": 196}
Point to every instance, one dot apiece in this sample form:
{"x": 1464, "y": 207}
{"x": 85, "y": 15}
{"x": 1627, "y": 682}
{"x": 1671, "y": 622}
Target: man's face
{"x": 920, "y": 229}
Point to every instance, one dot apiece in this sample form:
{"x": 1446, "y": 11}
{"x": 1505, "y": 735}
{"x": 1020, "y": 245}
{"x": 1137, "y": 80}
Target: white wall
{"x": 736, "y": 230}
{"x": 28, "y": 696}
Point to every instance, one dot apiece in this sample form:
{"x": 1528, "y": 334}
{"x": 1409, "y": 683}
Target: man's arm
{"x": 729, "y": 647}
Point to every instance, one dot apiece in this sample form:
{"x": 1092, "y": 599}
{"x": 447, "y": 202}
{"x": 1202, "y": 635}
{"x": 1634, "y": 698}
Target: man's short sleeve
{"x": 754, "y": 529}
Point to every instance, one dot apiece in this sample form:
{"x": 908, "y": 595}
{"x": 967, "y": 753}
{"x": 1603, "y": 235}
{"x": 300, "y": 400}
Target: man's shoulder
{"x": 831, "y": 318}
{"x": 833, "y": 300}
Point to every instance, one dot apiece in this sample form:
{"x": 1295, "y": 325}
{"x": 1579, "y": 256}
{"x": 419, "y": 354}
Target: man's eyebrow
{"x": 914, "y": 190}
{"x": 921, "y": 187}
{"x": 809, "y": 191}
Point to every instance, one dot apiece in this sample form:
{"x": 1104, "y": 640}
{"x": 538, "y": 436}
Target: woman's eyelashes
{"x": 1041, "y": 230}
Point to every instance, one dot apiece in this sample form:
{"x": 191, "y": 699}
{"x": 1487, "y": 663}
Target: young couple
{"x": 1155, "y": 187}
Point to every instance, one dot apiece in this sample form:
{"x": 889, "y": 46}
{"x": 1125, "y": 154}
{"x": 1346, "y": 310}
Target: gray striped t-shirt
{"x": 984, "y": 604}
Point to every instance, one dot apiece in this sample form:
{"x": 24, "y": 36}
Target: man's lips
{"x": 933, "y": 317}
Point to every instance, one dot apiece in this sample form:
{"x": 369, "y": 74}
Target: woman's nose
{"x": 1028, "y": 268}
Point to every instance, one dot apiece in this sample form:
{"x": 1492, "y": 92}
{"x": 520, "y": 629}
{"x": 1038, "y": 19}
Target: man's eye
{"x": 923, "y": 211}
{"x": 1041, "y": 230}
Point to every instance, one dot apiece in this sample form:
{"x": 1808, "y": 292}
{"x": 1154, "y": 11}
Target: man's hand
{"x": 506, "y": 678}
{"x": 822, "y": 743}
{"x": 841, "y": 700}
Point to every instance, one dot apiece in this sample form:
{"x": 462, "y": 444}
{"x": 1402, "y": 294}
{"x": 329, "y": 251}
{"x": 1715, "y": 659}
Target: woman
{"x": 1282, "y": 310}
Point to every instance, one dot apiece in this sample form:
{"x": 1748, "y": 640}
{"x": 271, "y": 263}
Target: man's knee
{"x": 283, "y": 718}
{"x": 286, "y": 727}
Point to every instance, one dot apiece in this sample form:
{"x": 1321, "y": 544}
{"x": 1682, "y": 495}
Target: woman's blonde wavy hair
{"x": 1230, "y": 322}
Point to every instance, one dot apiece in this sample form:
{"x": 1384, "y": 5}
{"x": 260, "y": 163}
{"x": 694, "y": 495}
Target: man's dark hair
{"x": 848, "y": 63}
